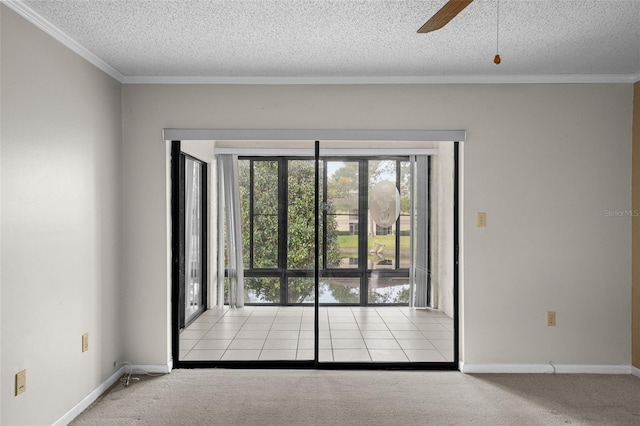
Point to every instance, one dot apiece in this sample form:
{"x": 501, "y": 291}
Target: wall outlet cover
{"x": 21, "y": 382}
{"x": 85, "y": 342}
{"x": 551, "y": 318}
{"x": 482, "y": 219}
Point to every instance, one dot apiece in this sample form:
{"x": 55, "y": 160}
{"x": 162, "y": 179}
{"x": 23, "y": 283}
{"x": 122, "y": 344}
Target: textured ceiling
{"x": 366, "y": 38}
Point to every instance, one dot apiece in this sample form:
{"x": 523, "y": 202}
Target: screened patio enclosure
{"x": 362, "y": 261}
{"x": 332, "y": 251}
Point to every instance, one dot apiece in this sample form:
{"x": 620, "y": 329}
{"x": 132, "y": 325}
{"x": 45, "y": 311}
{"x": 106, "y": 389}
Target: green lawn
{"x": 350, "y": 242}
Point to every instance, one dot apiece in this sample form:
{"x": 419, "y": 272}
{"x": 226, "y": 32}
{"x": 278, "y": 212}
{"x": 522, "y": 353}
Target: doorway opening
{"x": 341, "y": 259}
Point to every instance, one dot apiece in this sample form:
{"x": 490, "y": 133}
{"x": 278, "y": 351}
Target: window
{"x": 383, "y": 230}
{"x": 361, "y": 261}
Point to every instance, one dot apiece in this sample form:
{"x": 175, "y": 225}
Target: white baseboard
{"x": 544, "y": 368}
{"x": 104, "y": 386}
{"x": 635, "y": 371}
{"x": 151, "y": 368}
{"x": 89, "y": 399}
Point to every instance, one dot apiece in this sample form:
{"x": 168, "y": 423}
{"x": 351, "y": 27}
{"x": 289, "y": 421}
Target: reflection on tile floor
{"x": 360, "y": 334}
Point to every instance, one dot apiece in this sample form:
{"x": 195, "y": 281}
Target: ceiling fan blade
{"x": 444, "y": 15}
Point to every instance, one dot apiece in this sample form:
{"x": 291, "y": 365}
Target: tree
{"x": 265, "y": 210}
{"x": 343, "y": 183}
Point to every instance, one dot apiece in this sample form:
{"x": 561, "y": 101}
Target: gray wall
{"x": 544, "y": 162}
{"x": 61, "y": 191}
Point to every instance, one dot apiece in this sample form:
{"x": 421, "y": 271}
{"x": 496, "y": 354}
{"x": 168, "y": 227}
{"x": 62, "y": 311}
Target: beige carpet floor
{"x": 329, "y": 397}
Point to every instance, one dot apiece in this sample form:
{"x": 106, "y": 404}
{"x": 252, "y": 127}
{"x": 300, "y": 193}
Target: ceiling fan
{"x": 442, "y": 17}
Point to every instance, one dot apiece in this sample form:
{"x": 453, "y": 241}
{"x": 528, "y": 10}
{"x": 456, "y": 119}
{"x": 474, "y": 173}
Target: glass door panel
{"x": 381, "y": 222}
{"x": 259, "y": 223}
{"x": 367, "y": 310}
{"x": 194, "y": 289}
{"x": 261, "y": 216}
{"x": 406, "y": 216}
{"x": 276, "y": 221}
{"x": 341, "y": 224}
{"x": 300, "y": 216}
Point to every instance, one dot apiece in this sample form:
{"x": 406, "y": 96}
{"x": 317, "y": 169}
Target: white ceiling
{"x": 367, "y": 40}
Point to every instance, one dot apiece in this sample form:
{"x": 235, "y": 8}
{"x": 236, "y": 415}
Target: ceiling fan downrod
{"x": 497, "y": 59}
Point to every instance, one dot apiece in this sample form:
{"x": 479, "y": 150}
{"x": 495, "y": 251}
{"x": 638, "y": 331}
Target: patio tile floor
{"x": 347, "y": 334}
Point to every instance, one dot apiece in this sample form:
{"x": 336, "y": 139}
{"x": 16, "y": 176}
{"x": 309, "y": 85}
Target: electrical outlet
{"x": 482, "y": 219}
{"x": 85, "y": 342}
{"x": 551, "y": 318}
{"x": 21, "y": 382}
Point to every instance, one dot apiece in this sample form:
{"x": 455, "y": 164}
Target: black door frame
{"x": 184, "y": 322}
{"x": 294, "y": 364}
{"x": 178, "y": 268}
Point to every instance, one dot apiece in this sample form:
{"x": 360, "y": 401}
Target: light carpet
{"x": 334, "y": 397}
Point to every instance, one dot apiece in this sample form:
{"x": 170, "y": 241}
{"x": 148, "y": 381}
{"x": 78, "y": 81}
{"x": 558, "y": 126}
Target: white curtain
{"x": 421, "y": 266}
{"x": 229, "y": 202}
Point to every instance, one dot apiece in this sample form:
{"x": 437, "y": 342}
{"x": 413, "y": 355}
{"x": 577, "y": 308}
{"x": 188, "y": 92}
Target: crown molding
{"x": 36, "y": 19}
{"x": 441, "y": 79}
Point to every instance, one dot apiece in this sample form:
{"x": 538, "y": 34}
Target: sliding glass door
{"x": 367, "y": 211}
{"x": 384, "y": 204}
{"x": 193, "y": 253}
{"x": 278, "y": 231}
{"x": 326, "y": 255}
